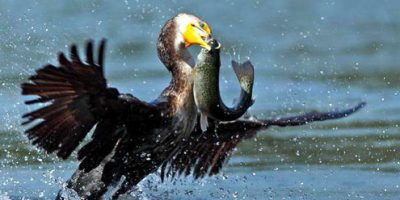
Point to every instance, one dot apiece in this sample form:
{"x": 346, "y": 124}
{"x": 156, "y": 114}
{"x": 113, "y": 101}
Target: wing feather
{"x": 206, "y": 152}
{"x": 77, "y": 99}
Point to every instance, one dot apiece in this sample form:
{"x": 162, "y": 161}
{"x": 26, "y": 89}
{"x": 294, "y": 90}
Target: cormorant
{"x": 133, "y": 138}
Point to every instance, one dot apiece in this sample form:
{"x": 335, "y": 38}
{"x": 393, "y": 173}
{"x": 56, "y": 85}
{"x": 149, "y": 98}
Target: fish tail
{"x": 243, "y": 70}
{"x": 245, "y": 74}
{"x": 203, "y": 122}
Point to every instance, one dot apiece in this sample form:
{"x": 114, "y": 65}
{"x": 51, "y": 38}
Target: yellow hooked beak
{"x": 197, "y": 34}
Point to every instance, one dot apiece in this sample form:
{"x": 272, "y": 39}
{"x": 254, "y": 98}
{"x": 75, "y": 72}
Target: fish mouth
{"x": 218, "y": 45}
{"x": 214, "y": 44}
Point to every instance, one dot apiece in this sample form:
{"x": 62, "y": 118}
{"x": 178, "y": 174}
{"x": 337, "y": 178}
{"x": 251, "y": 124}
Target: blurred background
{"x": 308, "y": 55}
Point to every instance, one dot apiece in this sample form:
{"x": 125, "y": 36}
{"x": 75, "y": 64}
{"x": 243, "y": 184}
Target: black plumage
{"x": 133, "y": 138}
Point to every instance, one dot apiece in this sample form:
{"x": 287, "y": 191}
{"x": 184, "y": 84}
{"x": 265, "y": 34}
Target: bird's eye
{"x": 202, "y": 25}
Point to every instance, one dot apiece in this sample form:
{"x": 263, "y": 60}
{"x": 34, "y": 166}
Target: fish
{"x": 206, "y": 87}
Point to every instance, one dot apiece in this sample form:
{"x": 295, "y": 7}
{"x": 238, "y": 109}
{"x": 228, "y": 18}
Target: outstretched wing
{"x": 76, "y": 98}
{"x": 206, "y": 152}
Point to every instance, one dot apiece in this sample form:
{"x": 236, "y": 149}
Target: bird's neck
{"x": 179, "y": 62}
{"x": 182, "y": 64}
{"x": 180, "y": 89}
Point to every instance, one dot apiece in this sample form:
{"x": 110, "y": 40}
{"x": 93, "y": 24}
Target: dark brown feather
{"x": 89, "y": 53}
{"x": 101, "y": 54}
{"x": 72, "y": 89}
{"x": 205, "y": 153}
{"x": 77, "y": 99}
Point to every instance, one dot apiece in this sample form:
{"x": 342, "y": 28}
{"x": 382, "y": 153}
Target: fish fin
{"x": 203, "y": 122}
{"x": 235, "y": 101}
{"x": 246, "y": 115}
{"x": 243, "y": 70}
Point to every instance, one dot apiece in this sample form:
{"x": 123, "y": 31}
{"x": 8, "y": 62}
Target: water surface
{"x": 308, "y": 55}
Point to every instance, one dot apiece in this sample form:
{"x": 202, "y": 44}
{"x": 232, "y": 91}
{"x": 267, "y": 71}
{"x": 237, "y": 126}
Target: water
{"x": 308, "y": 55}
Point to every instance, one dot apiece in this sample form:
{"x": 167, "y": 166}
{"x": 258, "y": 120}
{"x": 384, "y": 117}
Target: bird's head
{"x": 177, "y": 35}
{"x": 192, "y": 30}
